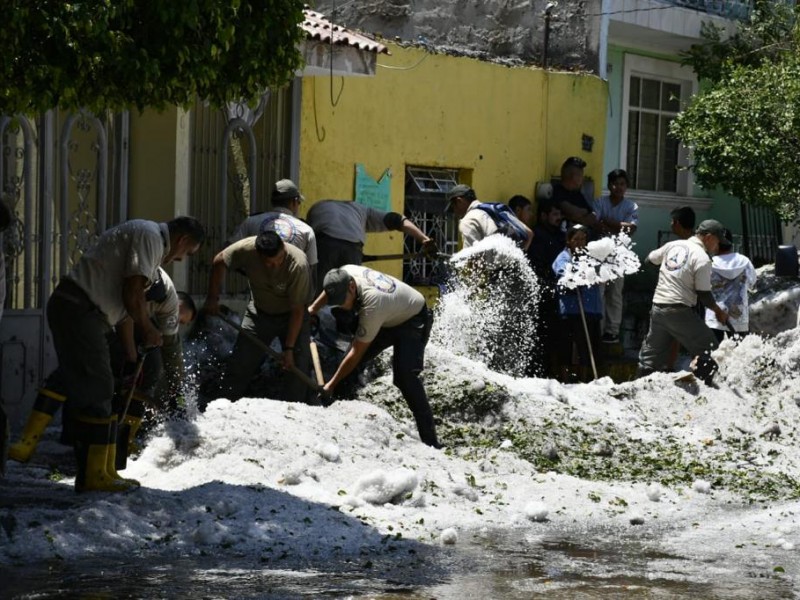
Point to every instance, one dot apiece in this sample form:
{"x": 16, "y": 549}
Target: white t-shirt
{"x": 384, "y": 301}
{"x": 685, "y": 270}
{"x": 280, "y": 220}
{"x": 345, "y": 220}
{"x": 476, "y": 225}
{"x": 133, "y": 248}
{"x": 732, "y": 275}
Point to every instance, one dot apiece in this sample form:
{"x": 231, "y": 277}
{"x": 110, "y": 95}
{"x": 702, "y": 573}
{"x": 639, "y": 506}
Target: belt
{"x": 71, "y": 291}
{"x": 678, "y": 305}
{"x": 330, "y": 237}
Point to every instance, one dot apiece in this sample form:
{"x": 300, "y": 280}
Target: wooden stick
{"x": 317, "y": 364}
{"x": 586, "y": 331}
{"x": 276, "y": 355}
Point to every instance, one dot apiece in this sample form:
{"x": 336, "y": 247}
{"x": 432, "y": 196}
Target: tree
{"x": 114, "y": 54}
{"x": 744, "y": 128}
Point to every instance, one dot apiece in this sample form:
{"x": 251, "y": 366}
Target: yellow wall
{"x": 160, "y": 170}
{"x": 153, "y": 164}
{"x": 499, "y": 122}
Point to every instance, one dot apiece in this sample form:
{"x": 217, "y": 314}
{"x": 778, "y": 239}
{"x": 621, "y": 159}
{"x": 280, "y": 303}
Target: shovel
{"x": 275, "y": 355}
{"x": 123, "y": 429}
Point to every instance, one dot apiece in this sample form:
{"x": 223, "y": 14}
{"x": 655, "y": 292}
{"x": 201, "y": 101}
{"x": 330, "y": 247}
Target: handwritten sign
{"x": 375, "y": 194}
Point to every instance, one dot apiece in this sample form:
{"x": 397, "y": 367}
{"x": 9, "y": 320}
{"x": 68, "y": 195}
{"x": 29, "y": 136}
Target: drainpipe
{"x": 548, "y": 13}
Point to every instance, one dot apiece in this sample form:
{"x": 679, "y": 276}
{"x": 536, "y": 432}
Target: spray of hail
{"x": 488, "y": 312}
{"x": 604, "y": 260}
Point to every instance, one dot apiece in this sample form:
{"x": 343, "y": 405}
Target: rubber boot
{"x": 91, "y": 456}
{"x": 133, "y": 421}
{"x": 46, "y": 405}
{"x": 111, "y": 456}
{"x": 126, "y": 432}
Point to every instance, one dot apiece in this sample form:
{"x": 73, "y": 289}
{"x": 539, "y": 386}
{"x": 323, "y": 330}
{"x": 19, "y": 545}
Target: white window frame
{"x": 671, "y": 72}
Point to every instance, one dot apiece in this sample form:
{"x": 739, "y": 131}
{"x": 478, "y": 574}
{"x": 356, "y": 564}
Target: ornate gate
{"x": 237, "y": 154}
{"x": 57, "y": 173}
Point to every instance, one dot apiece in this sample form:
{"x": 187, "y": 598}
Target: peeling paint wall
{"x": 503, "y": 30}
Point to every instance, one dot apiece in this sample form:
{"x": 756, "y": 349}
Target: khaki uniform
{"x": 476, "y": 225}
{"x": 291, "y": 229}
{"x": 393, "y": 314}
{"x": 274, "y": 295}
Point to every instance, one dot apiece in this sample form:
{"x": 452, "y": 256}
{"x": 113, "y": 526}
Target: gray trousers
{"x": 247, "y": 357}
{"x": 612, "y": 309}
{"x": 673, "y": 322}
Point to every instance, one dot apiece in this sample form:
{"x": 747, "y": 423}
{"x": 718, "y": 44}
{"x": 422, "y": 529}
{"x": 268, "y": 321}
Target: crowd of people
{"x": 118, "y": 306}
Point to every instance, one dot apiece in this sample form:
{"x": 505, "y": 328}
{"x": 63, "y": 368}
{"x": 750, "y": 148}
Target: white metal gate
{"x": 58, "y": 172}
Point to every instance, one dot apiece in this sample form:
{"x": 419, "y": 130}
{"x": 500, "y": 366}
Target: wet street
{"x": 589, "y": 566}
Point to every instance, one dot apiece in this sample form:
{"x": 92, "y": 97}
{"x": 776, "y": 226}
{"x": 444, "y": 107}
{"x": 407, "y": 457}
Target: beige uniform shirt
{"x": 165, "y": 314}
{"x": 133, "y": 248}
{"x": 685, "y": 270}
{"x": 476, "y": 225}
{"x": 383, "y": 301}
{"x": 274, "y": 291}
{"x": 280, "y": 220}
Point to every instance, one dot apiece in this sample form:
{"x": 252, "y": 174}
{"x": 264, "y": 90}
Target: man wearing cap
{"x": 476, "y": 224}
{"x": 286, "y": 199}
{"x": 280, "y": 289}
{"x": 684, "y": 277}
{"x": 389, "y": 313}
{"x": 341, "y": 227}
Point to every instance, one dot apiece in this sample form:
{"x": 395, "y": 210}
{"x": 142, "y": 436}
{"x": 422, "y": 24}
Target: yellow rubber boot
{"x": 46, "y": 405}
{"x": 133, "y": 424}
{"x": 133, "y": 421}
{"x": 111, "y": 457}
{"x": 91, "y": 455}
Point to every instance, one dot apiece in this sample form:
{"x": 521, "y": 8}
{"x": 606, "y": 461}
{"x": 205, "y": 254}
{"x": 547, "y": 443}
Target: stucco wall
{"x": 509, "y": 127}
{"x": 492, "y": 29}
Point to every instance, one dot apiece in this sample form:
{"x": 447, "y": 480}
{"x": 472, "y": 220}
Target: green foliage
{"x": 743, "y": 135}
{"x": 743, "y": 129}
{"x": 765, "y": 37}
{"x": 114, "y": 54}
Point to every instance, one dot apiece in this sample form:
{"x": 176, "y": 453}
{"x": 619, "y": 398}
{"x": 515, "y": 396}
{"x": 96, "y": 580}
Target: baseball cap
{"x": 456, "y": 191}
{"x": 713, "y": 227}
{"x": 336, "y": 284}
{"x": 285, "y": 189}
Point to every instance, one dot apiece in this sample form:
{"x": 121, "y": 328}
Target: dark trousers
{"x": 80, "y": 333}
{"x": 409, "y": 340}
{"x": 247, "y": 357}
{"x": 334, "y": 253}
{"x": 573, "y": 334}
